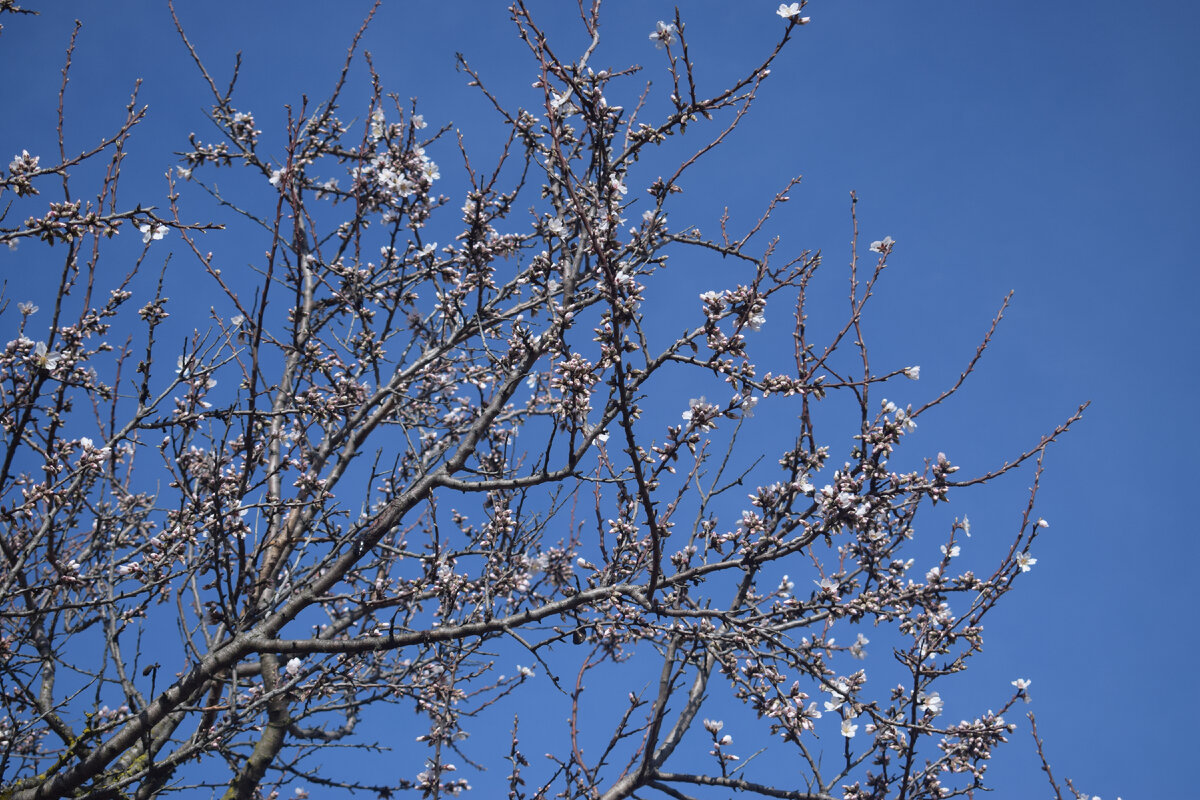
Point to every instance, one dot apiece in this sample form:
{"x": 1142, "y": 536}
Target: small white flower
{"x": 663, "y": 34}
{"x": 27, "y": 309}
{"x": 555, "y": 226}
{"x": 726, "y": 740}
{"x": 25, "y": 162}
{"x": 693, "y": 404}
{"x": 1022, "y": 685}
{"x": 1041, "y": 523}
{"x": 293, "y": 667}
{"x": 713, "y": 726}
{"x": 377, "y": 121}
{"x": 1025, "y": 561}
{"x": 837, "y": 697}
{"x": 788, "y": 11}
{"x": 930, "y": 703}
{"x": 85, "y": 443}
{"x": 882, "y": 246}
{"x": 44, "y": 357}
{"x": 849, "y": 728}
{"x": 952, "y": 552}
{"x": 966, "y": 526}
{"x": 913, "y": 373}
{"x": 559, "y": 100}
{"x": 856, "y": 649}
{"x": 525, "y": 672}
{"x": 152, "y": 231}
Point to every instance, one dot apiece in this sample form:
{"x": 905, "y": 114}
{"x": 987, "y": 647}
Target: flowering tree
{"x": 385, "y": 468}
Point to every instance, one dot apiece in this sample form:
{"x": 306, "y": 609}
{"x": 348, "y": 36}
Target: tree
{"x": 385, "y": 467}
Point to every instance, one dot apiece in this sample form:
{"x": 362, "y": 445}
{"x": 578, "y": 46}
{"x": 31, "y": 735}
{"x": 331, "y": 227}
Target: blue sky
{"x": 1047, "y": 150}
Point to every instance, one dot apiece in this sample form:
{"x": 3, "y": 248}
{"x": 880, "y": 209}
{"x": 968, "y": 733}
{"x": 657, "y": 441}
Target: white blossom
{"x": 44, "y": 357}
{"x": 790, "y": 11}
{"x": 838, "y": 695}
{"x": 1025, "y": 561}
{"x": 26, "y": 162}
{"x": 930, "y": 703}
{"x": 663, "y": 34}
{"x": 560, "y": 99}
{"x": 152, "y": 231}
{"x": 696, "y": 409}
{"x": 856, "y": 649}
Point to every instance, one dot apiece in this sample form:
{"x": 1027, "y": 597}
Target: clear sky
{"x": 1048, "y": 149}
